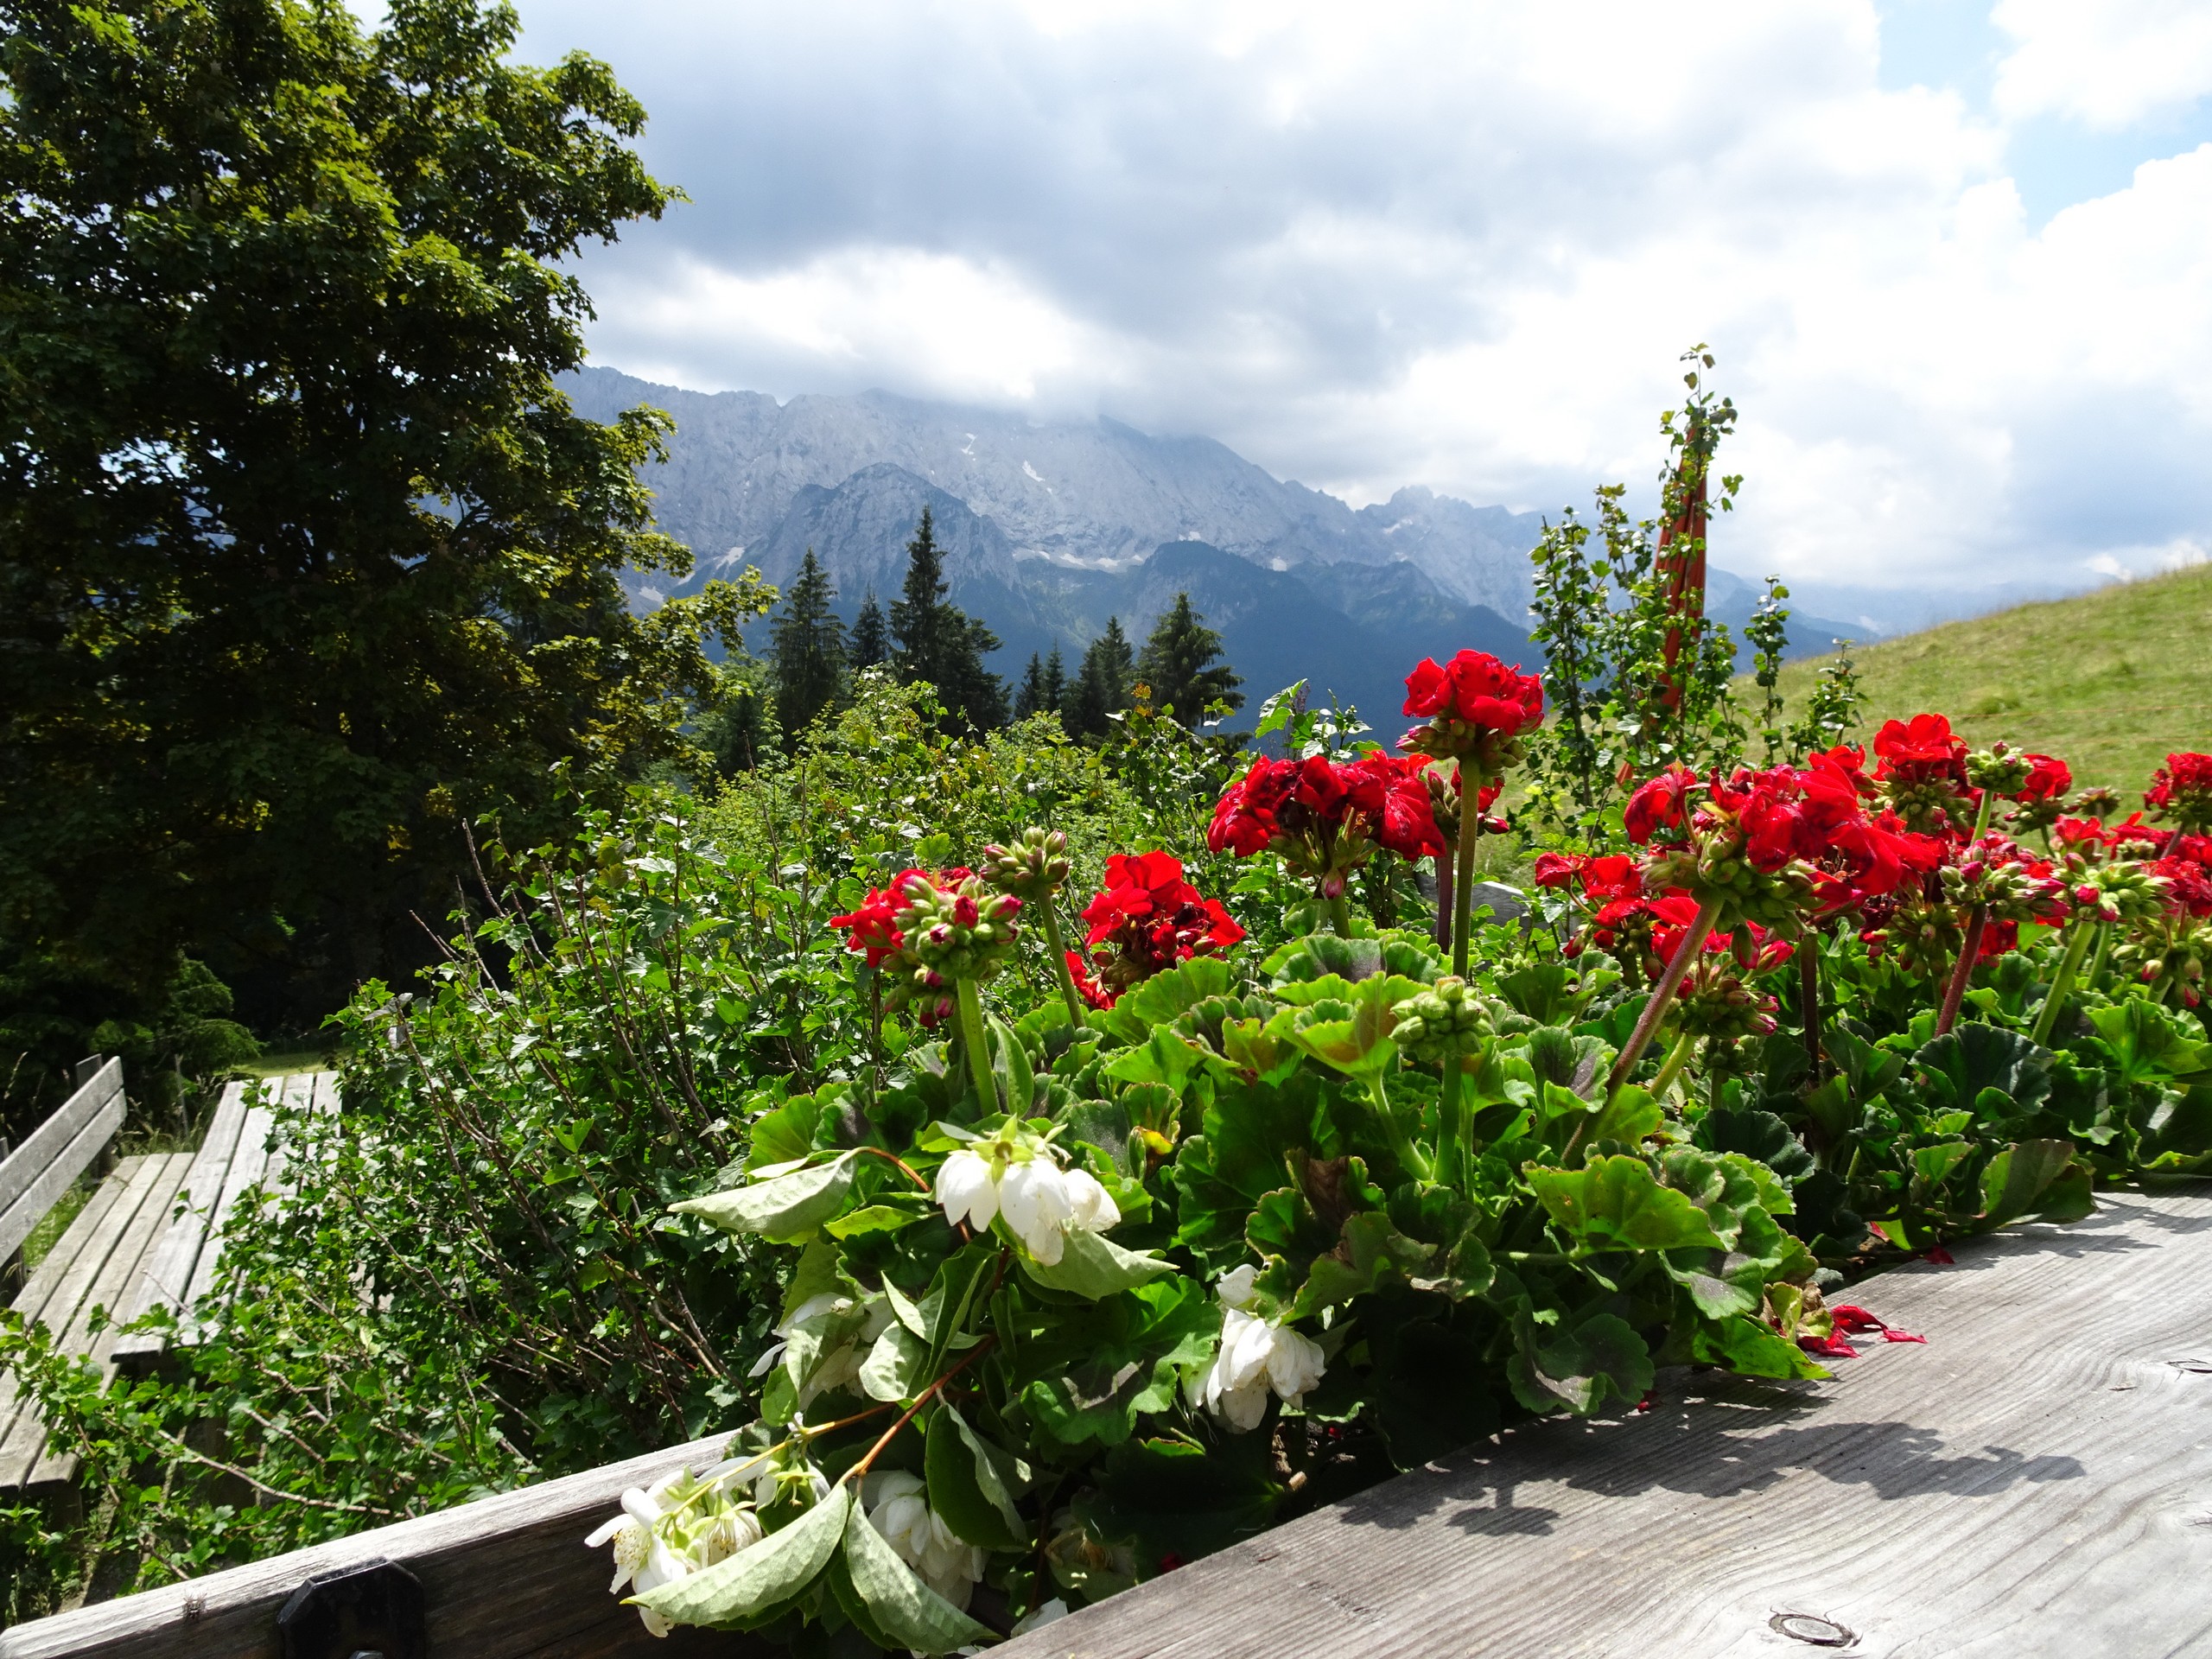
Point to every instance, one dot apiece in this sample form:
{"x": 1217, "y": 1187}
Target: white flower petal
{"x": 1091, "y": 1207}
{"x": 1235, "y": 1287}
{"x": 965, "y": 1189}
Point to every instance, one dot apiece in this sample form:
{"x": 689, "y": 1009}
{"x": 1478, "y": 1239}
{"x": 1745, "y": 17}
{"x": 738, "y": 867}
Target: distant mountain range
{"x": 1051, "y": 528}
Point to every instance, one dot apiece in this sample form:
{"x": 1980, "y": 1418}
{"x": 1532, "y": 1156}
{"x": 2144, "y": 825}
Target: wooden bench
{"x": 2035, "y": 1481}
{"x": 152, "y": 1233}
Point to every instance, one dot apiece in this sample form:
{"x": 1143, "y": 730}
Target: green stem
{"x": 972, "y": 1038}
{"x": 1060, "y": 963}
{"x": 2061, "y": 982}
{"x": 1449, "y": 1131}
{"x": 1671, "y": 1068}
{"x": 1808, "y": 998}
{"x": 1340, "y": 916}
{"x": 1463, "y": 892}
{"x": 1400, "y": 1144}
{"x": 1662, "y": 994}
{"x": 1982, "y": 815}
{"x": 2097, "y": 962}
{"x": 1443, "y": 890}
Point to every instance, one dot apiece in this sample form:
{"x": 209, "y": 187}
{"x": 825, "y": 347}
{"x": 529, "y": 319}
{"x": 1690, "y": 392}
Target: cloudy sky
{"x": 1955, "y": 258}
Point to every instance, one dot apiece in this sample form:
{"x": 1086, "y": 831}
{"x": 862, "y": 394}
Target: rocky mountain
{"x": 1050, "y": 528}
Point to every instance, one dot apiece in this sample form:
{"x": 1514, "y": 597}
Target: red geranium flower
{"x": 1147, "y": 918}
{"x": 1661, "y": 803}
{"x": 873, "y": 927}
{"x": 2182, "y": 791}
{"x": 1325, "y": 817}
{"x": 2049, "y": 779}
{"x": 1477, "y": 708}
{"x": 1921, "y": 751}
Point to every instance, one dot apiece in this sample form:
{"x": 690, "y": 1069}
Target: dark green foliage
{"x": 809, "y": 649}
{"x": 871, "y": 641}
{"x": 940, "y": 644}
{"x": 1182, "y": 664}
{"x": 1030, "y": 698}
{"x": 1101, "y": 687}
{"x": 304, "y": 557}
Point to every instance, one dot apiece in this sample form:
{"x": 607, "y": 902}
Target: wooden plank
{"x": 247, "y": 1164}
{"x": 38, "y": 1171}
{"x": 136, "y": 1238}
{"x": 92, "y": 1252}
{"x": 2035, "y": 1481}
{"x": 49, "y": 1287}
{"x": 45, "y": 1143}
{"x": 504, "y": 1578}
{"x": 316, "y": 1092}
{"x": 167, "y": 1275}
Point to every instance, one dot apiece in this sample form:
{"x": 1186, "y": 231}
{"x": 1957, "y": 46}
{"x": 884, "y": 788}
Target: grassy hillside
{"x": 2110, "y": 682}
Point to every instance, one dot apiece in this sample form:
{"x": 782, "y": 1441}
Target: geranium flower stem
{"x": 1401, "y": 1143}
{"x": 1060, "y": 963}
{"x": 1463, "y": 889}
{"x": 1340, "y": 915}
{"x": 972, "y": 1038}
{"x": 1447, "y": 1120}
{"x": 1969, "y": 953}
{"x": 1662, "y": 994}
{"x": 2061, "y": 982}
{"x": 1671, "y": 1068}
{"x": 1808, "y": 998}
{"x": 1444, "y": 891}
{"x": 2104, "y": 948}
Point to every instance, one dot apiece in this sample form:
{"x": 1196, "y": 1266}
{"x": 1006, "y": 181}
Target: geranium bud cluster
{"x": 2176, "y": 965}
{"x": 2001, "y": 769}
{"x": 2126, "y": 892}
{"x": 1747, "y": 840}
{"x": 1256, "y": 1356}
{"x": 2181, "y": 792}
{"x": 2005, "y": 881}
{"x": 1477, "y": 710}
{"x": 1033, "y": 869}
{"x": 1446, "y": 1019}
{"x": 927, "y": 928}
{"x": 1014, "y": 1174}
{"x": 675, "y": 1527}
{"x": 1720, "y": 1005}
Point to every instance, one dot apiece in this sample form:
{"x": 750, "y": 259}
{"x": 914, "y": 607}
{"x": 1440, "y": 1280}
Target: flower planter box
{"x": 2036, "y": 1479}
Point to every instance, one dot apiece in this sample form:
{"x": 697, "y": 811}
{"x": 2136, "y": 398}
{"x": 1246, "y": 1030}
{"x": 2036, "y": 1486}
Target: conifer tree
{"x": 1181, "y": 664}
{"x": 1056, "y": 682}
{"x": 1031, "y": 697}
{"x": 940, "y": 642}
{"x": 809, "y": 654}
{"x": 1102, "y": 686}
{"x": 871, "y": 643}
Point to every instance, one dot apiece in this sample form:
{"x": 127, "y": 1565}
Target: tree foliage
{"x": 808, "y": 648}
{"x": 1182, "y": 664}
{"x": 304, "y": 557}
{"x": 939, "y": 644}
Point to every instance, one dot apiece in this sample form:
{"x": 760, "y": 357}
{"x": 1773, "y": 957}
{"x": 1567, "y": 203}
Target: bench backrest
{"x": 53, "y": 1154}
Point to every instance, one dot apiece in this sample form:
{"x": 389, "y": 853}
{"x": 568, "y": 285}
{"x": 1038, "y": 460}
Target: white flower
{"x": 1034, "y": 1197}
{"x": 968, "y": 1187}
{"x": 657, "y": 1540}
{"x": 1095, "y": 1209}
{"x": 834, "y": 1367}
{"x": 1255, "y": 1355}
{"x": 898, "y": 1508}
{"x": 1051, "y": 1611}
{"x": 1234, "y": 1286}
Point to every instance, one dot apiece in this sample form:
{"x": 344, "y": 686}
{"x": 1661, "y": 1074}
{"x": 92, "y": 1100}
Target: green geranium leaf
{"x": 1326, "y": 956}
{"x": 2043, "y": 1178}
{"x": 1630, "y": 1115}
{"x": 1160, "y": 998}
{"x": 1960, "y": 1063}
{"x": 1576, "y": 1368}
{"x": 967, "y": 1486}
{"x": 733, "y": 1593}
{"x": 785, "y": 1208}
{"x": 1933, "y": 1165}
{"x": 1758, "y": 1135}
{"x": 875, "y": 1218}
{"x": 1747, "y": 1346}
{"x": 1617, "y": 1203}
{"x": 785, "y": 1134}
{"x": 907, "y": 1611}
{"x": 2152, "y": 1044}
{"x": 1093, "y": 1266}
{"x": 1162, "y": 1058}
{"x": 1088, "y": 1371}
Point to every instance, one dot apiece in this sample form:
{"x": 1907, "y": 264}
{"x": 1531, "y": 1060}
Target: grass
{"x": 289, "y": 1061}
{"x": 2110, "y": 682}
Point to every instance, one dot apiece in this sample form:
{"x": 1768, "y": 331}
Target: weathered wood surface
{"x": 93, "y": 1265}
{"x": 36, "y": 1175}
{"x": 2036, "y": 1481}
{"x": 504, "y": 1577}
{"x": 233, "y": 1155}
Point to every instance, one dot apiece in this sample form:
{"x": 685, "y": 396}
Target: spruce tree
{"x": 1031, "y": 697}
{"x": 1181, "y": 665}
{"x": 871, "y": 643}
{"x": 918, "y": 615}
{"x": 1102, "y": 686}
{"x": 809, "y": 654}
{"x": 973, "y": 695}
{"x": 1056, "y": 682}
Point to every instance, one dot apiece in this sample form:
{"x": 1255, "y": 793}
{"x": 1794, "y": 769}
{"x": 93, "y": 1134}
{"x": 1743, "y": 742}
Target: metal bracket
{"x": 373, "y": 1610}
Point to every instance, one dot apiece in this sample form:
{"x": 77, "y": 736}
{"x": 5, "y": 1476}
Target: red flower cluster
{"x": 1923, "y": 750}
{"x": 929, "y": 928}
{"x": 1325, "y": 817}
{"x": 1146, "y": 919}
{"x": 2182, "y": 791}
{"x": 1477, "y": 710}
{"x": 2049, "y": 780}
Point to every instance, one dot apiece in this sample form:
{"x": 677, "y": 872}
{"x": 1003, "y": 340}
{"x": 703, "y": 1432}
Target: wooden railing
{"x": 52, "y": 1155}
{"x": 2036, "y": 1480}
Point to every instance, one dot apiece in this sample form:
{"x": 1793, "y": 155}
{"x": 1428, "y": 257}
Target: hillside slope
{"x": 2110, "y": 681}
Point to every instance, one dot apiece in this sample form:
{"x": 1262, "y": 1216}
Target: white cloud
{"x": 1453, "y": 244}
{"x": 2109, "y": 63}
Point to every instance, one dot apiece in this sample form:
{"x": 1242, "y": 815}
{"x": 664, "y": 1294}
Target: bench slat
{"x": 154, "y": 1190}
{"x": 38, "y": 1172}
{"x": 167, "y": 1274}
{"x": 246, "y": 1167}
{"x": 54, "y": 1286}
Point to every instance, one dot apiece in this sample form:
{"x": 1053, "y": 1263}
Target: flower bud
{"x": 1033, "y": 869}
{"x": 1444, "y": 1021}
